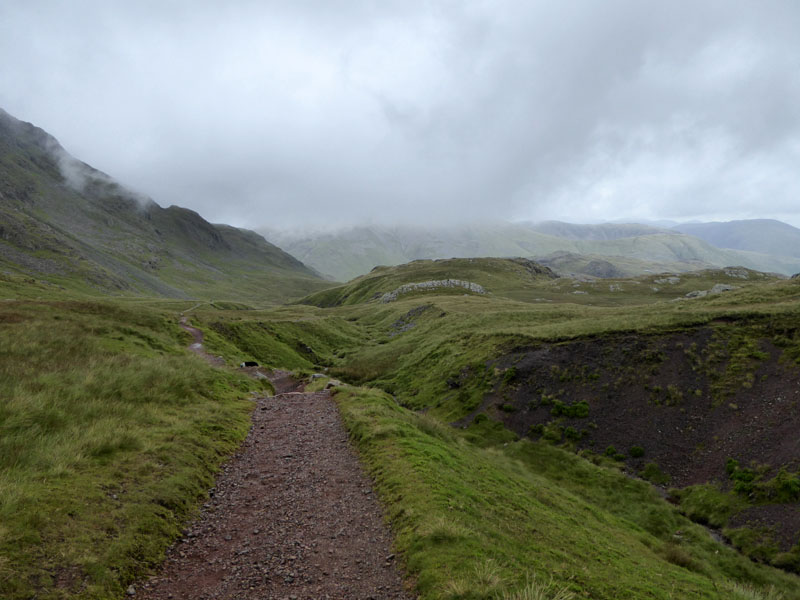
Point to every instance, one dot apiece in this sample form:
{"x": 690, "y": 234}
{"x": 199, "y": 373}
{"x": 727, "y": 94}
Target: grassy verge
{"x": 110, "y": 433}
{"x": 747, "y": 489}
{"x": 480, "y": 523}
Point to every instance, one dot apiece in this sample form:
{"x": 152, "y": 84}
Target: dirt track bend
{"x": 292, "y": 516}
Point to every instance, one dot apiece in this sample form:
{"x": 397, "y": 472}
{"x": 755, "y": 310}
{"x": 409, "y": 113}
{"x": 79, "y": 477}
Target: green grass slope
{"x": 110, "y": 434}
{"x": 501, "y": 276}
{"x": 765, "y": 236}
{"x": 528, "y": 281}
{"x": 482, "y": 513}
{"x": 505, "y": 517}
{"x": 138, "y": 426}
{"x": 66, "y": 223}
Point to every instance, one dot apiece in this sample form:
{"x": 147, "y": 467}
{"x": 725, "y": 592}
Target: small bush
{"x": 636, "y": 451}
{"x": 510, "y": 375}
{"x": 674, "y": 395}
{"x": 579, "y": 410}
{"x": 787, "y": 486}
{"x": 553, "y": 432}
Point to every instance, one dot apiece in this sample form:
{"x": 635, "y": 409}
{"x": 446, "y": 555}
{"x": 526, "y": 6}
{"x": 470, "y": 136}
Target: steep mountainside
{"x": 63, "y": 221}
{"x": 766, "y": 236}
{"x": 347, "y": 253}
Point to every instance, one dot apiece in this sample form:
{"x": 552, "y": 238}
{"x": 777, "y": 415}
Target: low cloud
{"x": 310, "y": 113}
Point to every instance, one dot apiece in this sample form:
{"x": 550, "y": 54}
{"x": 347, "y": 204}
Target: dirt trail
{"x": 292, "y": 516}
{"x": 197, "y": 344}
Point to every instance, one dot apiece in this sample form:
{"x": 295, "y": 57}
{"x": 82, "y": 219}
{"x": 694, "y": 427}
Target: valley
{"x": 527, "y": 429}
{"x": 516, "y": 492}
{"x": 603, "y": 250}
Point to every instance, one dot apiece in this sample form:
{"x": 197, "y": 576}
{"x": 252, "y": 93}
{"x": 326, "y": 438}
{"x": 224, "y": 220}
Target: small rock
{"x": 721, "y": 287}
{"x": 131, "y": 591}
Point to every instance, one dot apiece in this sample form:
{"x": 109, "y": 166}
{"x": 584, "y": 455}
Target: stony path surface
{"x": 292, "y": 517}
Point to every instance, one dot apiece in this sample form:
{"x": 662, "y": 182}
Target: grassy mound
{"x": 500, "y": 276}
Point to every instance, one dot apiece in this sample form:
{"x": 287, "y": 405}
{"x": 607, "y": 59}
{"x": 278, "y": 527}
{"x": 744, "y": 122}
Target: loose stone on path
{"x": 291, "y": 516}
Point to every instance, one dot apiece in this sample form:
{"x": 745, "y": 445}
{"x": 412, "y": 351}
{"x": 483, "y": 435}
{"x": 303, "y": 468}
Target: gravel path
{"x": 292, "y": 517}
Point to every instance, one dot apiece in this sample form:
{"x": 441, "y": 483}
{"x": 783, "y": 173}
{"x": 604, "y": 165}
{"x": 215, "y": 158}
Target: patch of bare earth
{"x": 647, "y": 391}
{"x": 292, "y": 516}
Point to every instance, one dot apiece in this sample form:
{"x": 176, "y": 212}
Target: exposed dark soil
{"x": 766, "y": 517}
{"x": 661, "y": 393}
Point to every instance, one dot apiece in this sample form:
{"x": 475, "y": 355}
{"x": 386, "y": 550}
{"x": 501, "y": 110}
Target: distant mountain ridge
{"x": 628, "y": 249}
{"x": 766, "y": 236}
{"x": 599, "y": 232}
{"x": 65, "y": 222}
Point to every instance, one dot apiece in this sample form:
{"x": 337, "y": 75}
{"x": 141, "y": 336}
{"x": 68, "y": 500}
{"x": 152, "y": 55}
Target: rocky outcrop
{"x": 425, "y": 286}
{"x": 717, "y": 289}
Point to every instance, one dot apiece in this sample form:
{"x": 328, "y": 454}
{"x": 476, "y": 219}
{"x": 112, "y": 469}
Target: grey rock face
{"x": 432, "y": 285}
{"x": 717, "y": 289}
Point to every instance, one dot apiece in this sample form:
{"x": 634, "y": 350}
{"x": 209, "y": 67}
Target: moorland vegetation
{"x": 112, "y": 430}
{"x": 541, "y": 437}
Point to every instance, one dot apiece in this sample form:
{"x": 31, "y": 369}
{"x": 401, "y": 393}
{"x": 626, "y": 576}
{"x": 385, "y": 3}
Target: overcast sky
{"x": 324, "y": 112}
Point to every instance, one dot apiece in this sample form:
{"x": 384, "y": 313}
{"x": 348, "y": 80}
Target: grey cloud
{"x": 334, "y": 112}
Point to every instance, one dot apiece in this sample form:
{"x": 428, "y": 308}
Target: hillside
{"x": 506, "y": 440}
{"x": 765, "y": 236}
{"x": 501, "y": 276}
{"x": 606, "y": 267}
{"x": 692, "y": 392}
{"x": 602, "y": 231}
{"x": 631, "y": 249}
{"x": 527, "y": 435}
{"x": 68, "y": 224}
{"x": 531, "y": 282}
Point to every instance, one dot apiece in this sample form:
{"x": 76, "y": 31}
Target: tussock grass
{"x": 740, "y": 591}
{"x": 299, "y": 344}
{"x": 535, "y": 590}
{"x": 110, "y": 433}
{"x": 471, "y": 521}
